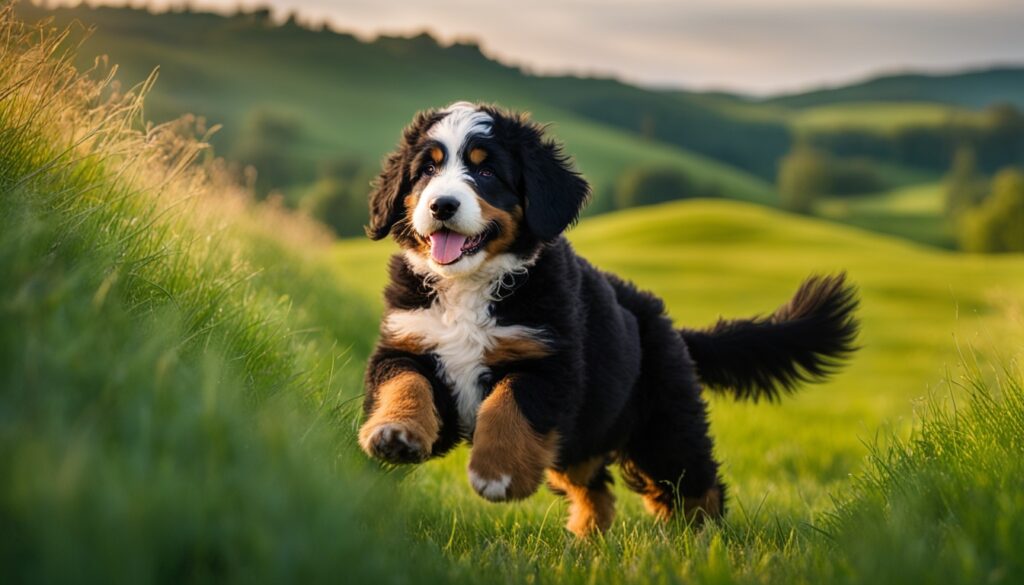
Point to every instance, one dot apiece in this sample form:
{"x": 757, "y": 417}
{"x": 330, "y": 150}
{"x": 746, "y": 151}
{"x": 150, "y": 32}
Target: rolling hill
{"x": 351, "y": 98}
{"x": 971, "y": 89}
{"x": 344, "y": 100}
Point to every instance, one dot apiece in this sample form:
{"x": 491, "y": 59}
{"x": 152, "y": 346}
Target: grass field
{"x": 880, "y": 117}
{"x": 914, "y": 212}
{"x": 179, "y": 381}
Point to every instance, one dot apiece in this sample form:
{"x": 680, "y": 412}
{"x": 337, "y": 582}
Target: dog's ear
{"x": 386, "y": 195}
{"x": 394, "y": 182}
{"x": 554, "y": 192}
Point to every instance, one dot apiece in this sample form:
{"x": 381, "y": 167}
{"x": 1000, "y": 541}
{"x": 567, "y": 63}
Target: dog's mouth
{"x": 448, "y": 247}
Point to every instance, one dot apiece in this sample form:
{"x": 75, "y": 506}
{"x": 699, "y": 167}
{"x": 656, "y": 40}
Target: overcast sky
{"x": 748, "y": 45}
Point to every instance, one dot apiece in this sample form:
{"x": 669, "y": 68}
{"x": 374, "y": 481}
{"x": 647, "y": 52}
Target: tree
{"x": 965, "y": 186}
{"x": 267, "y": 139}
{"x": 997, "y": 225}
{"x": 338, "y": 196}
{"x": 803, "y": 178}
{"x": 650, "y": 185}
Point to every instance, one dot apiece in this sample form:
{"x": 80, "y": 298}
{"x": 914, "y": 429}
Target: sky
{"x": 753, "y": 46}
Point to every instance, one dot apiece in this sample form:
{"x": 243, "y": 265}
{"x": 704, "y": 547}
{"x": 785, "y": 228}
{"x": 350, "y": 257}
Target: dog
{"x": 497, "y": 333}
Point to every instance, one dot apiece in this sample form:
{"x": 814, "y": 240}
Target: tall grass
{"x": 166, "y": 413}
{"x": 947, "y": 504}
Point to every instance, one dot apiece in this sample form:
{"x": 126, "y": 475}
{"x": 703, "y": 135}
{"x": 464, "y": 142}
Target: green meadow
{"x": 180, "y": 373}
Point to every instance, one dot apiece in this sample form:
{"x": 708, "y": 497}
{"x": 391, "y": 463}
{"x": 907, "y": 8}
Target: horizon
{"x": 745, "y": 55}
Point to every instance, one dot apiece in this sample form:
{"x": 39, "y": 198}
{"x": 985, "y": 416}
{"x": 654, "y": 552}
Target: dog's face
{"x": 471, "y": 184}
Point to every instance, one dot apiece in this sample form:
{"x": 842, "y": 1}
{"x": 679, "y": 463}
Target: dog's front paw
{"x": 495, "y": 490}
{"x": 393, "y": 442}
{"x": 498, "y": 483}
{"x": 508, "y": 457}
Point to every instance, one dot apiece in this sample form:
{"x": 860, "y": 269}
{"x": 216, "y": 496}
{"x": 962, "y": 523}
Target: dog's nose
{"x": 443, "y": 208}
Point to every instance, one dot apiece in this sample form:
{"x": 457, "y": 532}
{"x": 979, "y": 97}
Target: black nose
{"x": 443, "y": 208}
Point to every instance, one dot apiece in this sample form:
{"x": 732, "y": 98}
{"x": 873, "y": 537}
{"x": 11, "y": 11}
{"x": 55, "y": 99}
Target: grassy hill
{"x": 971, "y": 89}
{"x": 351, "y": 98}
{"x": 343, "y": 102}
{"x": 179, "y": 381}
{"x": 880, "y": 117}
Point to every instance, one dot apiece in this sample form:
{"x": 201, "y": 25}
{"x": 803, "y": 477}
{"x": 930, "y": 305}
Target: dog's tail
{"x": 804, "y": 340}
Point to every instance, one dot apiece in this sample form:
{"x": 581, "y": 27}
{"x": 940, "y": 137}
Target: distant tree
{"x": 338, "y": 196}
{"x": 1004, "y": 135}
{"x": 803, "y": 178}
{"x": 267, "y": 141}
{"x": 856, "y": 176}
{"x": 649, "y": 185}
{"x": 965, "y": 186}
{"x": 997, "y": 225}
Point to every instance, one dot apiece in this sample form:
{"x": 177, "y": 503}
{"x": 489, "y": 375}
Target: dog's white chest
{"x": 459, "y": 330}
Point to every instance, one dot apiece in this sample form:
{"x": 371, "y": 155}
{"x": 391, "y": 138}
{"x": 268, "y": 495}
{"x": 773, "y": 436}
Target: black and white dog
{"x": 496, "y": 332}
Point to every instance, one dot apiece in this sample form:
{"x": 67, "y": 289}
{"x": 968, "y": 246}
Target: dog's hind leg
{"x": 668, "y": 459}
{"x": 669, "y": 462}
{"x": 588, "y": 488}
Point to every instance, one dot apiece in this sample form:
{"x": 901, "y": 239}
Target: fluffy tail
{"x": 804, "y": 340}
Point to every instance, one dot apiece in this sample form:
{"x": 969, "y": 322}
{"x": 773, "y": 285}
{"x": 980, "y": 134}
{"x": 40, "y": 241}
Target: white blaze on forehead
{"x": 460, "y": 123}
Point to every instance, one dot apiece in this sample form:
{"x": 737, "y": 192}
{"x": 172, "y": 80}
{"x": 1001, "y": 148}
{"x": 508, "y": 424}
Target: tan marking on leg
{"x": 658, "y": 506}
{"x": 408, "y": 342}
{"x": 405, "y": 405}
{"x": 658, "y": 499}
{"x": 513, "y": 349}
{"x": 437, "y": 154}
{"x": 583, "y": 473}
{"x": 701, "y": 508}
{"x": 477, "y": 156}
{"x": 508, "y": 458}
{"x": 590, "y": 510}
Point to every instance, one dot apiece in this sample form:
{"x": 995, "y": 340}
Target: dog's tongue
{"x": 446, "y": 246}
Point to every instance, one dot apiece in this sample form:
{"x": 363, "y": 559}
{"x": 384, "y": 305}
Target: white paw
{"x": 495, "y": 490}
{"x": 394, "y": 443}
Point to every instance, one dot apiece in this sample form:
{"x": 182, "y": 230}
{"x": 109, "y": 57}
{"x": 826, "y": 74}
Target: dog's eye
{"x": 485, "y": 172}
{"x": 430, "y": 170}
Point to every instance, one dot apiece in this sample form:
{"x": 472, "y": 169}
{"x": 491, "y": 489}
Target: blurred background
{"x": 899, "y": 117}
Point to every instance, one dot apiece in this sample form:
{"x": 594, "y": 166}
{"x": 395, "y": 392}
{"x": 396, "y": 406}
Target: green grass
{"x": 179, "y": 374}
{"x": 915, "y": 212}
{"x": 879, "y": 117}
{"x": 167, "y": 411}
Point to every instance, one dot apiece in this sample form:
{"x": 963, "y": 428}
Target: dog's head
{"x": 470, "y": 184}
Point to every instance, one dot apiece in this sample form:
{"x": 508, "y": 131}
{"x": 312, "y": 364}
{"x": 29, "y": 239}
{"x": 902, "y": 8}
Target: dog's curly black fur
{"x": 544, "y": 362}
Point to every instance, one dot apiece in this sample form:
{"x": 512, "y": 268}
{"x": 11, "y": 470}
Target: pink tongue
{"x": 446, "y": 246}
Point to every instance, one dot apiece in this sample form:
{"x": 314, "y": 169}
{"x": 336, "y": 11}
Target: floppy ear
{"x": 394, "y": 182}
{"x": 554, "y": 192}
{"x": 386, "y": 196}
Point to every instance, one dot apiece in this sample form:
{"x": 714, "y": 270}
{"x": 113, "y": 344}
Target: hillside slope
{"x": 174, "y": 401}
{"x": 351, "y": 98}
{"x": 973, "y": 89}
